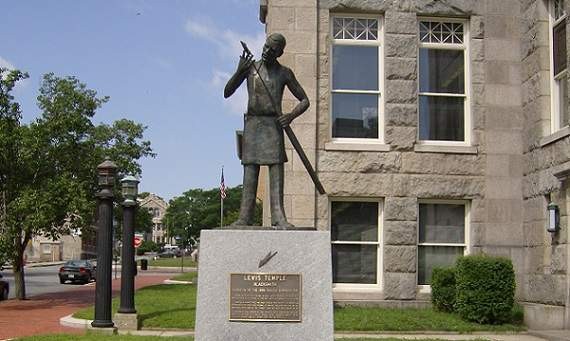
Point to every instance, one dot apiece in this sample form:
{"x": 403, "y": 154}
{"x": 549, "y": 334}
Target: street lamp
{"x": 127, "y": 314}
{"x": 106, "y": 179}
{"x": 130, "y": 189}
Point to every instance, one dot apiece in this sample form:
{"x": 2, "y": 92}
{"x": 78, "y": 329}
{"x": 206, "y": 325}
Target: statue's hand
{"x": 245, "y": 62}
{"x": 285, "y": 120}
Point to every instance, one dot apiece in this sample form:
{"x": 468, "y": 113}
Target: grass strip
{"x": 159, "y": 306}
{"x": 174, "y": 307}
{"x": 391, "y": 319}
{"x": 187, "y": 276}
{"x": 173, "y": 262}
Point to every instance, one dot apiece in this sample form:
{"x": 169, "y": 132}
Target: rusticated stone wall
{"x": 546, "y": 281}
{"x": 402, "y": 175}
{"x": 297, "y": 21}
{"x": 505, "y": 175}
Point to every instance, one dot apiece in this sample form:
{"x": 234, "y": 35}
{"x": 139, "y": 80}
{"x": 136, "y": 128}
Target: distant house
{"x": 45, "y": 249}
{"x": 157, "y": 207}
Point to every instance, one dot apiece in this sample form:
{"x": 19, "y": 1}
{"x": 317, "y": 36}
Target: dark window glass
{"x": 355, "y": 115}
{"x": 355, "y": 67}
{"x": 442, "y": 71}
{"x": 559, "y": 48}
{"x": 442, "y": 118}
{"x": 442, "y": 223}
{"x": 354, "y": 263}
{"x": 430, "y": 257}
{"x": 354, "y": 221}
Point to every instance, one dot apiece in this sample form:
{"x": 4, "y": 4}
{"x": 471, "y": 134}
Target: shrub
{"x": 485, "y": 289}
{"x": 443, "y": 289}
{"x": 517, "y": 316}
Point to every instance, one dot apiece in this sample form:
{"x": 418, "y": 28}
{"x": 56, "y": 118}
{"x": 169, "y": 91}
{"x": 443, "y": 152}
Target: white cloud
{"x": 226, "y": 41}
{"x": 237, "y": 103}
{"x": 228, "y": 45}
{"x": 219, "y": 78}
{"x": 8, "y": 65}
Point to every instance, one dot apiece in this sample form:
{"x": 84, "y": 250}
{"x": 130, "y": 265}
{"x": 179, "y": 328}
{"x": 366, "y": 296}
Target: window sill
{"x": 357, "y": 147}
{"x": 554, "y": 136}
{"x": 357, "y": 288}
{"x": 448, "y": 149}
{"x": 424, "y": 289}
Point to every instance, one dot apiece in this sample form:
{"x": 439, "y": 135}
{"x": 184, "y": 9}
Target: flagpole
{"x": 222, "y": 184}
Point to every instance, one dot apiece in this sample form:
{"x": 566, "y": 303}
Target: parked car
{"x": 77, "y": 270}
{"x": 4, "y": 288}
{"x": 167, "y": 254}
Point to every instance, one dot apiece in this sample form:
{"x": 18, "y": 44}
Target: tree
{"x": 49, "y": 180}
{"x": 199, "y": 209}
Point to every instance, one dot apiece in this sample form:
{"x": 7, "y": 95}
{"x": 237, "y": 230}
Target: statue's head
{"x": 273, "y": 48}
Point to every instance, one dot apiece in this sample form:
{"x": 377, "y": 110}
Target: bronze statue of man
{"x": 263, "y": 140}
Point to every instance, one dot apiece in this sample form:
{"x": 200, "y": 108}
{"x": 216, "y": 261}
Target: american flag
{"x": 222, "y": 187}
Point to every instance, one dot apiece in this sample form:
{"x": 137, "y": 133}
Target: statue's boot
{"x": 276, "y": 180}
{"x": 248, "y": 196}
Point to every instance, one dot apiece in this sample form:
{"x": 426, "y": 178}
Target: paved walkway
{"x": 40, "y": 314}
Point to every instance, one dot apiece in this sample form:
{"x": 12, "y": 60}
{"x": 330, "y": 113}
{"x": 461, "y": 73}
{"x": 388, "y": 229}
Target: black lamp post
{"x": 106, "y": 180}
{"x": 128, "y": 266}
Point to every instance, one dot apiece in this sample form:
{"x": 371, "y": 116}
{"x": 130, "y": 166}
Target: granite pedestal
{"x": 225, "y": 252}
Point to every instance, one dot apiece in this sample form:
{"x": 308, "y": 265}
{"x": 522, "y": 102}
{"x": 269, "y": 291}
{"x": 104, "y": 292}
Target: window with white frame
{"x": 442, "y": 235}
{"x": 356, "y": 241}
{"x": 356, "y": 84}
{"x": 558, "y": 73}
{"x": 443, "y": 81}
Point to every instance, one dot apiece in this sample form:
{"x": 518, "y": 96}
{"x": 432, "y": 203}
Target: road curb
{"x": 72, "y": 322}
{"x": 172, "y": 281}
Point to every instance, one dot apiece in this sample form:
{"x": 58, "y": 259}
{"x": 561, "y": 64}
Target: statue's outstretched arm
{"x": 245, "y": 62}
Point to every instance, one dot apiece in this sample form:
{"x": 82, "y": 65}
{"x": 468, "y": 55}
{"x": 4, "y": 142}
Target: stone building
{"x": 438, "y": 128}
{"x": 157, "y": 208}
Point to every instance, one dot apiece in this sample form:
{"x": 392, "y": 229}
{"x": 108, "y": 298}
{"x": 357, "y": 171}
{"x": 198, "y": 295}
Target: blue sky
{"x": 163, "y": 63}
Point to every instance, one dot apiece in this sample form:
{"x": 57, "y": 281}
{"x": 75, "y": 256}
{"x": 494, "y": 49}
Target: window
{"x": 443, "y": 87}
{"x": 46, "y": 248}
{"x": 356, "y": 244}
{"x": 356, "y": 83}
{"x": 442, "y": 235}
{"x": 558, "y": 74}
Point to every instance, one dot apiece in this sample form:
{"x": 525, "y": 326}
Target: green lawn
{"x": 390, "y": 319}
{"x": 172, "y": 262}
{"x": 187, "y": 276}
{"x": 174, "y": 306}
{"x": 159, "y": 306}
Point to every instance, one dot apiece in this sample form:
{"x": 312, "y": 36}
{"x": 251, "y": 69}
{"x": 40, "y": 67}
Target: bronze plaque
{"x": 265, "y": 297}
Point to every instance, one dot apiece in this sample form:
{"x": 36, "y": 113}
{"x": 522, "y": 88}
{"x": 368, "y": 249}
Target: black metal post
{"x": 104, "y": 248}
{"x": 128, "y": 264}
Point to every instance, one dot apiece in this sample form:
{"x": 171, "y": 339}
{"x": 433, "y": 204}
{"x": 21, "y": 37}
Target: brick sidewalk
{"x": 40, "y": 314}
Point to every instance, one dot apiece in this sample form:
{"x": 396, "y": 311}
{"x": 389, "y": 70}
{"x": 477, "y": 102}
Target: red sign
{"x": 138, "y": 242}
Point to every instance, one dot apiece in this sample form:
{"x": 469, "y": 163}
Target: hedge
{"x": 485, "y": 289}
{"x": 443, "y": 289}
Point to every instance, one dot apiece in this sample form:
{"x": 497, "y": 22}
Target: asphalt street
{"x": 40, "y": 280}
